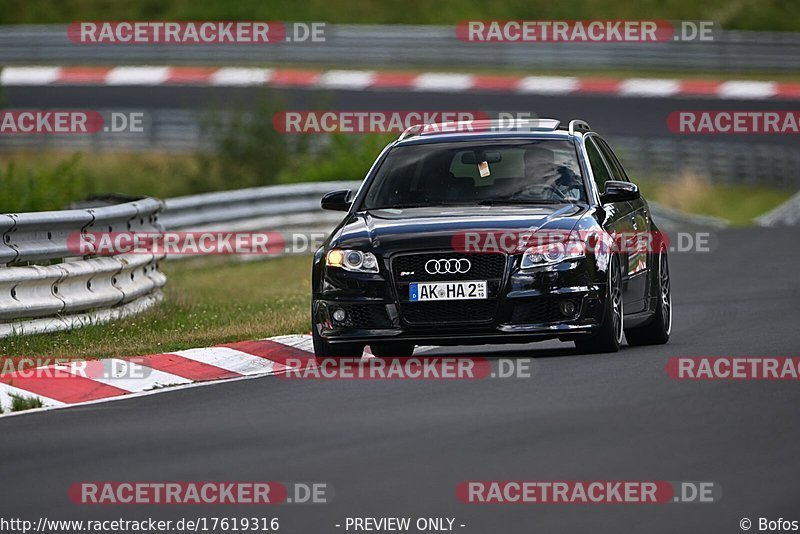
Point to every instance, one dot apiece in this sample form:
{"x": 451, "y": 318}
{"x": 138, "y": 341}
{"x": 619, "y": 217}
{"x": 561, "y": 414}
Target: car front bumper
{"x": 370, "y": 320}
{"x": 527, "y": 308}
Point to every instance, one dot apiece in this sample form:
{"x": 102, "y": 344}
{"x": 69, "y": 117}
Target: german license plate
{"x": 421, "y": 291}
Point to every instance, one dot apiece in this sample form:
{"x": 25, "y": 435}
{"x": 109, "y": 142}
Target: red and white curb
{"x": 89, "y": 382}
{"x": 375, "y": 80}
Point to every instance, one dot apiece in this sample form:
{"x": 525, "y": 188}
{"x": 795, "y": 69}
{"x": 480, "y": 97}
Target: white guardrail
{"x": 44, "y": 289}
{"x": 257, "y": 208}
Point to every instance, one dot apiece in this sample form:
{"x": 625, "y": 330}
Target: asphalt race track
{"x": 398, "y": 448}
{"x": 609, "y": 115}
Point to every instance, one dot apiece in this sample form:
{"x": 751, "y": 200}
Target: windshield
{"x": 480, "y": 173}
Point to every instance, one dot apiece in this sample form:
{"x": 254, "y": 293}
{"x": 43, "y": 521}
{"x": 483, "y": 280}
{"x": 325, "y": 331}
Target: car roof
{"x": 476, "y": 130}
{"x": 482, "y": 136}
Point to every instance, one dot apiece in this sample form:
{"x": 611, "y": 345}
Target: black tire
{"x": 393, "y": 349}
{"x": 609, "y": 337}
{"x": 324, "y": 349}
{"x": 657, "y": 331}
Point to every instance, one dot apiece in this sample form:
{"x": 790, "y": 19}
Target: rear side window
{"x": 599, "y": 169}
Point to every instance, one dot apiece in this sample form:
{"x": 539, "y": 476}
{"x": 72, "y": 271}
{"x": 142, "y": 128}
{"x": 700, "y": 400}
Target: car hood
{"x": 390, "y": 230}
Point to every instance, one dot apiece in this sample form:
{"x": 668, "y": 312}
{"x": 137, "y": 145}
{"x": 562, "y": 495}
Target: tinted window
{"x": 478, "y": 172}
{"x": 611, "y": 158}
{"x": 599, "y": 169}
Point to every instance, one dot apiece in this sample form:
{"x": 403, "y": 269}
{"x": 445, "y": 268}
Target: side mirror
{"x": 337, "y": 200}
{"x": 617, "y": 191}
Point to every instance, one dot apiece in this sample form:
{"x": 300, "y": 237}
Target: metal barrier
{"x": 249, "y": 204}
{"x": 165, "y": 129}
{"x": 69, "y": 291}
{"x": 75, "y": 291}
{"x": 398, "y": 45}
{"x": 720, "y": 162}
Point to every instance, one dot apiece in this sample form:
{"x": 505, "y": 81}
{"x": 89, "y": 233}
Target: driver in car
{"x": 546, "y": 178}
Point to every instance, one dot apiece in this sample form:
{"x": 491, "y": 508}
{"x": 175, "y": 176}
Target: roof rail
{"x": 414, "y": 129}
{"x": 480, "y": 125}
{"x": 577, "y": 125}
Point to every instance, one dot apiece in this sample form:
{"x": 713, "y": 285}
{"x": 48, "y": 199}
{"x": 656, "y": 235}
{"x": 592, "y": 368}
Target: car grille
{"x": 451, "y": 311}
{"x": 484, "y": 267}
{"x": 411, "y": 268}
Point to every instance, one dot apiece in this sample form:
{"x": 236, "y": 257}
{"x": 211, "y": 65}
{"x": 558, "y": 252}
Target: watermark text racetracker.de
{"x": 396, "y": 121}
{"x": 70, "y": 122}
{"x": 195, "y": 32}
{"x": 734, "y": 368}
{"x": 583, "y": 31}
{"x": 407, "y": 368}
{"x": 771, "y": 122}
{"x": 580, "y": 243}
{"x": 587, "y": 492}
{"x": 199, "y": 493}
{"x": 373, "y": 121}
{"x": 54, "y": 368}
{"x": 199, "y": 243}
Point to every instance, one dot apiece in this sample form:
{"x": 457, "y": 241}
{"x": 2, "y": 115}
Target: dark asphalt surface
{"x": 610, "y": 115}
{"x": 400, "y": 448}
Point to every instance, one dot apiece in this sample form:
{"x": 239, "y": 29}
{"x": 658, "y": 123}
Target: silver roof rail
{"x": 480, "y": 125}
{"x": 414, "y": 129}
{"x": 577, "y": 125}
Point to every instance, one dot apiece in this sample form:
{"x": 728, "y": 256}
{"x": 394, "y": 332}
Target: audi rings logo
{"x": 444, "y": 266}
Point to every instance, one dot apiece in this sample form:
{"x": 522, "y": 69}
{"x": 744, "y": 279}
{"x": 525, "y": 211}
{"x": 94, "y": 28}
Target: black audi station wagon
{"x": 431, "y": 249}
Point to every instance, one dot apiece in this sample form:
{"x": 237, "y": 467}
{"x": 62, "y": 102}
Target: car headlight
{"x": 352, "y": 260}
{"x": 552, "y": 253}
